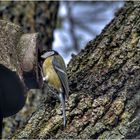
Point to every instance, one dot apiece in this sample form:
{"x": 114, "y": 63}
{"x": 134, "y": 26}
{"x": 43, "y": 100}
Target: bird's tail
{"x": 62, "y": 100}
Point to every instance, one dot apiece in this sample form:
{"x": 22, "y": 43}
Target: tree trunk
{"x": 32, "y": 16}
{"x": 22, "y": 49}
{"x": 104, "y": 80}
{"x": 18, "y": 56}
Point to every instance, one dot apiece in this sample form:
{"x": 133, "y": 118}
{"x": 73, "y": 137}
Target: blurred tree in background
{"x": 32, "y": 16}
{"x": 76, "y": 27}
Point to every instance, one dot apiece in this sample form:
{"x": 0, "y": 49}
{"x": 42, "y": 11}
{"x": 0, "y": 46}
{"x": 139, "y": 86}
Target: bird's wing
{"x": 60, "y": 68}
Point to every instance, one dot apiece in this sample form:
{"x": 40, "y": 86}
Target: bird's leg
{"x": 51, "y": 90}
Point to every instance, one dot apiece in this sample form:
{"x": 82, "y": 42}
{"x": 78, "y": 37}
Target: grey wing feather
{"x": 60, "y": 69}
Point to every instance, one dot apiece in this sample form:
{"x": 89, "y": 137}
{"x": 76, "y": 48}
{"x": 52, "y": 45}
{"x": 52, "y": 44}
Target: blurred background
{"x": 79, "y": 22}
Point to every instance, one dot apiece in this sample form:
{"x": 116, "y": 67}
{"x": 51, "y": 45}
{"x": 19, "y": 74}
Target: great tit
{"x": 54, "y": 73}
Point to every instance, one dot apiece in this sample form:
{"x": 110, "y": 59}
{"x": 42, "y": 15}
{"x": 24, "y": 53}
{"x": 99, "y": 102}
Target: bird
{"x": 54, "y": 74}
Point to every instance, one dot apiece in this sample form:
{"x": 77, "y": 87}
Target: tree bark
{"x": 32, "y": 16}
{"x": 18, "y": 51}
{"x": 40, "y": 17}
{"x": 104, "y": 80}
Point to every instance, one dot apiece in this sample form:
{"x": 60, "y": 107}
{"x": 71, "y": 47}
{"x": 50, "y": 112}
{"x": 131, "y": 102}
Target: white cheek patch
{"x": 47, "y": 54}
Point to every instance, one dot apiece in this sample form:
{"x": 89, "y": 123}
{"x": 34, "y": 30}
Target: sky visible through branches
{"x": 80, "y": 22}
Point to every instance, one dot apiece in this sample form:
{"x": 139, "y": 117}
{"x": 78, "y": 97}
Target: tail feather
{"x": 62, "y": 100}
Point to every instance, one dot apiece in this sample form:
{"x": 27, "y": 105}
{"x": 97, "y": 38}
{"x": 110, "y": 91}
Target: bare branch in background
{"x": 82, "y": 21}
{"x": 72, "y": 27}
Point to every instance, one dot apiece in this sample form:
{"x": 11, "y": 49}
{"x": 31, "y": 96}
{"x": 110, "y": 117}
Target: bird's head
{"x": 49, "y": 53}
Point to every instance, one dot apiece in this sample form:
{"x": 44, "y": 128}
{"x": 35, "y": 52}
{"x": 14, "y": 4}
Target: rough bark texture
{"x": 9, "y": 38}
{"x": 15, "y": 50}
{"x": 104, "y": 80}
{"x": 32, "y": 16}
{"x": 41, "y": 17}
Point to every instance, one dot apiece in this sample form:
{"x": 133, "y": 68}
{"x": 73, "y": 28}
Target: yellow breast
{"x": 48, "y": 70}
